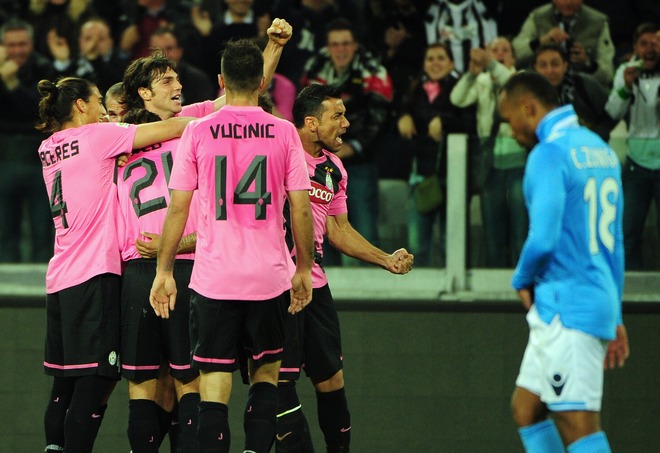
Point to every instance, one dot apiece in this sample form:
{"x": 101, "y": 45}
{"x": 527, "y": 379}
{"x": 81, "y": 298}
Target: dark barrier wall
{"x": 431, "y": 380}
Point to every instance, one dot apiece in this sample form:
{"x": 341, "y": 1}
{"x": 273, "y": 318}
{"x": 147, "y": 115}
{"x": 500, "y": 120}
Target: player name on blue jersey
{"x": 64, "y": 151}
{"x": 239, "y": 131}
{"x": 585, "y": 157}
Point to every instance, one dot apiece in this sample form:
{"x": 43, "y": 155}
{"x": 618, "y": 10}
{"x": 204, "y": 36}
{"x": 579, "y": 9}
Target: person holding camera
{"x": 635, "y": 97}
{"x": 581, "y": 31}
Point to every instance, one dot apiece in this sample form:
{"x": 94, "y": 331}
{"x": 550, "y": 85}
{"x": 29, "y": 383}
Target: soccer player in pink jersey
{"x": 244, "y": 164}
{"x": 82, "y": 280}
{"x": 147, "y": 340}
{"x": 319, "y": 117}
{"x": 152, "y": 83}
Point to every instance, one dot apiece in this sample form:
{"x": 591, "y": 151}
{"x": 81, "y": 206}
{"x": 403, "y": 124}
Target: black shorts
{"x": 293, "y": 353}
{"x": 148, "y": 340}
{"x": 218, "y": 328}
{"x": 82, "y": 329}
{"x": 313, "y": 339}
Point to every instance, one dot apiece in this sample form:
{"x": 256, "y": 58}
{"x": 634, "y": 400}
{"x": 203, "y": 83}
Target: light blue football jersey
{"x": 573, "y": 256}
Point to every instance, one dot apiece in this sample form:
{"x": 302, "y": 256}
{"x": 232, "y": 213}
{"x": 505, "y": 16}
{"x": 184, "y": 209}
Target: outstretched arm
{"x": 279, "y": 33}
{"x": 347, "y": 240}
{"x": 160, "y": 131}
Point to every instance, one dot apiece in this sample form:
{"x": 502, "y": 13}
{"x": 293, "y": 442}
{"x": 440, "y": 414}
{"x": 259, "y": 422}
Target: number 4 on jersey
{"x": 57, "y": 203}
{"x": 259, "y": 197}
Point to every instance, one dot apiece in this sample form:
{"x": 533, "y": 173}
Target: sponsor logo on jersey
{"x": 320, "y": 194}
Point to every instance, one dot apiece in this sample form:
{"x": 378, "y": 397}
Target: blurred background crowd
{"x": 411, "y": 72}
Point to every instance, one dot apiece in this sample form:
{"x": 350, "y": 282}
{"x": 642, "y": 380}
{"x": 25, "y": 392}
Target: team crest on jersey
{"x": 320, "y": 193}
{"x": 112, "y": 358}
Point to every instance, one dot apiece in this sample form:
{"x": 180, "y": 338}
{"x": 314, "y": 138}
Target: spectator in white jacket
{"x": 497, "y": 162}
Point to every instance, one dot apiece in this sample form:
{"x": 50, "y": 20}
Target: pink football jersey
{"x": 78, "y": 168}
{"x": 242, "y": 161}
{"x": 328, "y": 198}
{"x": 144, "y": 197}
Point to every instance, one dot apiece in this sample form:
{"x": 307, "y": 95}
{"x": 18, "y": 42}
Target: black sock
{"x": 174, "y": 433}
{"x": 188, "y": 415}
{"x": 293, "y": 434}
{"x": 82, "y": 420}
{"x": 97, "y": 419}
{"x": 334, "y": 420}
{"x": 213, "y": 427}
{"x": 143, "y": 430}
{"x": 58, "y": 404}
{"x": 164, "y": 422}
{"x": 260, "y": 417}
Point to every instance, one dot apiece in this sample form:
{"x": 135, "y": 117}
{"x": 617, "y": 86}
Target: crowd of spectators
{"x": 410, "y": 71}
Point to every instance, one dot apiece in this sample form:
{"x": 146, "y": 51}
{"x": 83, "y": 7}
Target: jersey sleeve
{"x": 545, "y": 192}
{"x": 112, "y": 139}
{"x": 198, "y": 109}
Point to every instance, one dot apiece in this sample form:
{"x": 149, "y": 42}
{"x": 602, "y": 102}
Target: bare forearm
{"x": 272, "y": 53}
{"x": 175, "y": 222}
{"x": 303, "y": 236}
{"x": 349, "y": 242}
{"x": 188, "y": 243}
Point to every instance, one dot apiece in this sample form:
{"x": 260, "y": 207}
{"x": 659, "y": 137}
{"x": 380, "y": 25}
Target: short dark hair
{"x": 116, "y": 91}
{"x": 440, "y": 45}
{"x": 167, "y": 30}
{"x": 340, "y": 24}
{"x": 140, "y": 116}
{"x": 309, "y": 102}
{"x": 646, "y": 27}
{"x": 266, "y": 103}
{"x": 242, "y": 66}
{"x": 57, "y": 101}
{"x": 141, "y": 73}
{"x": 551, "y": 47}
{"x": 528, "y": 82}
{"x": 15, "y": 24}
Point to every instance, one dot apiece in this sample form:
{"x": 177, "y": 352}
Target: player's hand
{"x": 618, "y": 350}
{"x": 526, "y": 296}
{"x": 122, "y": 160}
{"x": 554, "y": 36}
{"x": 301, "y": 291}
{"x": 435, "y": 129}
{"x": 129, "y": 38}
{"x": 578, "y": 54}
{"x": 201, "y": 19}
{"x": 280, "y": 31}
{"x": 9, "y": 74}
{"x": 163, "y": 294}
{"x": 630, "y": 74}
{"x": 406, "y": 126}
{"x": 480, "y": 58}
{"x": 58, "y": 46}
{"x": 400, "y": 262}
{"x": 149, "y": 248}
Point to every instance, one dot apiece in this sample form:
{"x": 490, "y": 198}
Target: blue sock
{"x": 593, "y": 443}
{"x": 542, "y": 437}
